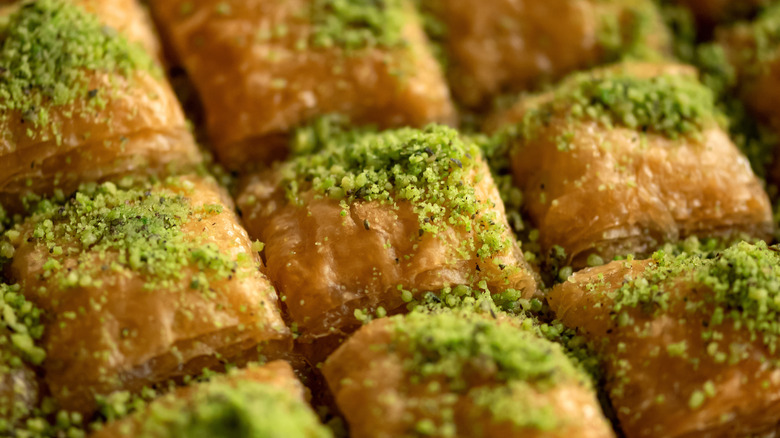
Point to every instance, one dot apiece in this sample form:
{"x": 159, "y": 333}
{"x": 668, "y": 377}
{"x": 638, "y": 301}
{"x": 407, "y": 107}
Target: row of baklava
{"x": 129, "y": 273}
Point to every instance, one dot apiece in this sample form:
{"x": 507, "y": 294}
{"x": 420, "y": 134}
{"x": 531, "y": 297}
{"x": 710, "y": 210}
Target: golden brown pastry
{"x": 20, "y": 330}
{"x": 501, "y": 46}
{"x": 689, "y": 343}
{"x": 364, "y": 222}
{"x": 460, "y": 374}
{"x": 622, "y": 160}
{"x": 129, "y": 18}
{"x": 78, "y": 102}
{"x": 263, "y": 67}
{"x": 259, "y": 401}
{"x": 140, "y": 285}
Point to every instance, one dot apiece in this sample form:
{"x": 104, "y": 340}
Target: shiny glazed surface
{"x": 127, "y": 336}
{"x": 271, "y": 86}
{"x": 617, "y": 191}
{"x": 326, "y": 265}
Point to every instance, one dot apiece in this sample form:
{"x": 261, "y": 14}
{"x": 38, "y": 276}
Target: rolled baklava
{"x": 81, "y": 102}
{"x": 621, "y": 160}
{"x": 462, "y": 374}
{"x": 364, "y": 221}
{"x": 142, "y": 284}
{"x": 264, "y": 67}
{"x": 258, "y": 401}
{"x": 689, "y": 343}
{"x": 493, "y": 47}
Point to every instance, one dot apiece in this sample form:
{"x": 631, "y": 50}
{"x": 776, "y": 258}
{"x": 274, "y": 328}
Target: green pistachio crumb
{"x": 218, "y": 408}
{"x": 138, "y": 229}
{"x": 451, "y": 345}
{"x": 47, "y": 48}
{"x": 431, "y": 168}
{"x": 670, "y": 104}
{"x": 357, "y": 24}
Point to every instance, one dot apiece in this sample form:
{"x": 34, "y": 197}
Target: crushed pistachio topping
{"x": 21, "y": 321}
{"x": 628, "y": 30}
{"x": 218, "y": 408}
{"x": 764, "y": 33}
{"x": 357, "y": 24}
{"x": 716, "y": 71}
{"x": 726, "y": 67}
{"x": 6, "y": 249}
{"x": 20, "y": 330}
{"x": 105, "y": 228}
{"x": 460, "y": 347}
{"x": 48, "y": 48}
{"x": 743, "y": 280}
{"x": 670, "y": 105}
{"x": 434, "y": 169}
{"x": 682, "y": 25}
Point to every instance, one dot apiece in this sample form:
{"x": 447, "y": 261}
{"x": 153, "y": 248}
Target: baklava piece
{"x": 79, "y": 102}
{"x": 363, "y": 222}
{"x": 266, "y": 401}
{"x": 689, "y": 343}
{"x": 264, "y": 67}
{"x": 459, "y": 373}
{"x": 621, "y": 160}
{"x": 20, "y": 354}
{"x": 141, "y": 285}
{"x": 493, "y": 47}
{"x": 744, "y": 65}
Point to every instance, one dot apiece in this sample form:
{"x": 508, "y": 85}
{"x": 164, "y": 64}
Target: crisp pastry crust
{"x": 274, "y": 377}
{"x": 141, "y": 130}
{"x": 381, "y": 397}
{"x": 129, "y": 18}
{"x": 345, "y": 233}
{"x": 502, "y": 46}
{"x": 258, "y": 82}
{"x": 617, "y": 190}
{"x": 110, "y": 325}
{"x": 137, "y": 128}
{"x": 329, "y": 259}
{"x": 676, "y": 369}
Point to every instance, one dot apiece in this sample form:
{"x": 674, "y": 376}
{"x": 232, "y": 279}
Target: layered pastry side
{"x": 258, "y": 401}
{"x": 361, "y": 222}
{"x": 139, "y": 284}
{"x": 494, "y": 47}
{"x": 79, "y": 102}
{"x": 689, "y": 343}
{"x": 621, "y": 160}
{"x": 459, "y": 373}
{"x": 264, "y": 67}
